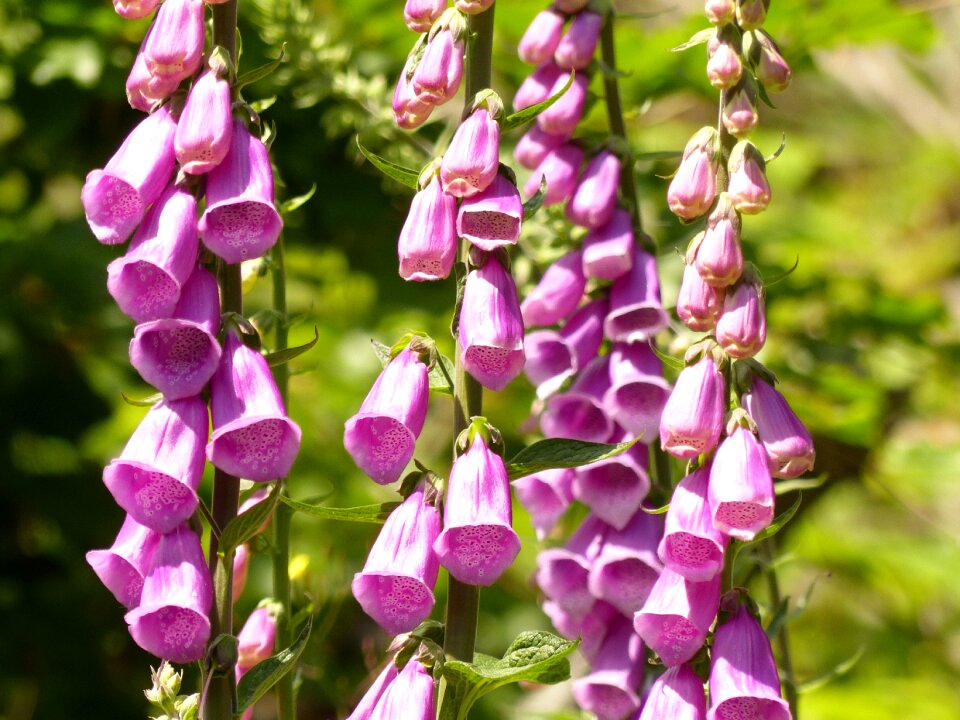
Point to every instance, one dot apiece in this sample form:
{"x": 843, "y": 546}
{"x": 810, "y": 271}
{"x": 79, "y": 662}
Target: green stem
{"x": 769, "y": 550}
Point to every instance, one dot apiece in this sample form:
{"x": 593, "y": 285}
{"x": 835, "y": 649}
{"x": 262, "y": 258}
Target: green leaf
{"x": 247, "y": 524}
{"x": 284, "y": 356}
{"x": 441, "y": 375}
{"x": 656, "y": 511}
{"x": 376, "y": 514}
{"x": 264, "y": 675}
{"x": 403, "y": 175}
{"x": 698, "y": 39}
{"x": 561, "y": 453}
{"x": 658, "y": 155}
{"x": 531, "y": 206}
{"x": 148, "y": 401}
{"x": 527, "y": 114}
{"x": 252, "y": 76}
{"x": 294, "y": 203}
{"x": 839, "y": 671}
{"x": 785, "y": 486}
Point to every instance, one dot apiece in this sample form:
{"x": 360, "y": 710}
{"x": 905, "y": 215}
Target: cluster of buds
{"x": 189, "y": 146}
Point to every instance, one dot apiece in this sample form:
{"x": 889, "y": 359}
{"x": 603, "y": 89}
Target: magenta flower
{"x": 615, "y": 488}
{"x": 595, "y": 198}
{"x": 134, "y": 9}
{"x": 742, "y": 327}
{"x": 492, "y": 218}
{"x": 155, "y": 479}
{"x": 491, "y": 327}
{"x": 749, "y": 189}
{"x": 627, "y": 565}
{"x": 534, "y": 145}
{"x": 576, "y": 47}
{"x": 171, "y": 621}
{"x": 719, "y": 259}
{"x": 739, "y": 114}
{"x": 471, "y": 161}
{"x": 437, "y": 76}
{"x": 145, "y": 91}
{"x": 368, "y": 703}
{"x": 610, "y": 690}
{"x": 252, "y": 436}
{"x": 256, "y": 639}
{"x": 205, "y": 127}
{"x": 538, "y": 85}
{"x": 564, "y": 115}
{"x": 691, "y": 545}
{"x": 692, "y": 419}
{"x": 428, "y": 240}
{"x": 477, "y": 543}
{"x": 558, "y": 292}
{"x": 578, "y": 413}
{"x": 784, "y": 437}
{"x": 174, "y": 46}
{"x": 740, "y": 490}
{"x": 549, "y": 361}
{"x": 636, "y": 312}
{"x": 116, "y": 197}
{"x": 637, "y": 391}
{"x": 420, "y": 15}
{"x": 409, "y": 697}
{"x": 563, "y": 572}
{"x": 546, "y": 496}
{"x": 608, "y": 251}
{"x": 698, "y": 304}
{"x": 583, "y": 332}
{"x": 122, "y": 567}
{"x": 541, "y": 37}
{"x": 241, "y": 221}
{"x": 724, "y": 66}
{"x": 473, "y": 7}
{"x": 395, "y": 587}
{"x": 409, "y": 111}
{"x": 677, "y": 695}
{"x": 241, "y": 568}
{"x": 590, "y": 629}
{"x": 693, "y": 188}
{"x": 559, "y": 167}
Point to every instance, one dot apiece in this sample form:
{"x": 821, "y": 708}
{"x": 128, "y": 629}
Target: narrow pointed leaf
{"x": 698, "y": 39}
{"x": 839, "y": 671}
{"x": 531, "y": 206}
{"x": 527, "y": 114}
{"x": 561, "y": 453}
{"x": 245, "y": 526}
{"x": 785, "y": 486}
{"x": 252, "y": 76}
{"x": 770, "y": 530}
{"x": 294, "y": 203}
{"x": 441, "y": 375}
{"x": 284, "y": 356}
{"x": 376, "y": 514}
{"x": 403, "y": 175}
{"x": 263, "y": 676}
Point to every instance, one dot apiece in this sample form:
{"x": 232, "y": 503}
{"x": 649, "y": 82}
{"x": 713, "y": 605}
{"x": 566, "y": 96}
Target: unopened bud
{"x": 724, "y": 67}
{"x": 740, "y": 115}
{"x": 693, "y": 188}
{"x": 749, "y": 189}
{"x": 771, "y": 68}
{"x": 751, "y": 13}
{"x": 720, "y": 12}
{"x": 719, "y": 259}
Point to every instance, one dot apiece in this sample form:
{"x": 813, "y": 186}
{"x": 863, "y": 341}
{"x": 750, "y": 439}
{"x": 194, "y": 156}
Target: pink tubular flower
{"x": 171, "y": 621}
{"x": 590, "y": 629}
{"x": 559, "y": 167}
{"x": 492, "y": 218}
{"x": 409, "y": 111}
{"x": 749, "y": 189}
{"x": 557, "y": 293}
{"x": 144, "y": 91}
{"x": 691, "y": 545}
{"x": 742, "y": 327}
{"x": 698, "y": 304}
{"x": 576, "y": 47}
{"x": 368, "y": 703}
{"x": 178, "y": 355}
{"x": 471, "y": 161}
{"x": 610, "y": 690}
{"x": 719, "y": 259}
{"x": 241, "y": 568}
{"x": 583, "y": 332}
{"x": 256, "y": 639}
{"x": 395, "y": 587}
{"x": 428, "y": 240}
{"x": 743, "y": 674}
{"x": 549, "y": 361}
{"x": 477, "y": 543}
{"x": 692, "y": 419}
{"x": 739, "y": 114}
{"x": 563, "y": 572}
{"x": 740, "y": 490}
{"x": 174, "y": 47}
{"x": 491, "y": 327}
{"x": 772, "y": 70}
{"x": 241, "y": 221}
{"x": 564, "y": 115}
{"x": 252, "y": 436}
{"x": 636, "y": 312}
{"x": 473, "y": 7}
{"x": 420, "y": 15}
{"x": 608, "y": 251}
{"x": 116, "y": 197}
{"x": 205, "y": 127}
{"x": 724, "y": 68}
{"x": 437, "y": 76}
{"x": 541, "y": 37}
{"x": 693, "y": 188}
{"x": 409, "y": 697}
{"x": 533, "y": 147}
{"x": 786, "y": 441}
{"x": 538, "y": 85}
{"x": 614, "y": 488}
{"x": 135, "y": 9}
{"x": 546, "y": 496}
{"x": 578, "y": 413}
{"x": 595, "y": 199}
{"x": 627, "y": 566}
{"x": 677, "y": 695}
{"x": 155, "y": 479}
{"x": 637, "y": 391}
{"x": 382, "y": 436}
{"x": 122, "y": 567}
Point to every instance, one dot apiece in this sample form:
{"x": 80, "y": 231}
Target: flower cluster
{"x": 188, "y": 146}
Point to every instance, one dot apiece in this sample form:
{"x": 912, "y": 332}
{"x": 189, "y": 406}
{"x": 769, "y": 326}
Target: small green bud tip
{"x": 220, "y": 62}
{"x": 489, "y": 100}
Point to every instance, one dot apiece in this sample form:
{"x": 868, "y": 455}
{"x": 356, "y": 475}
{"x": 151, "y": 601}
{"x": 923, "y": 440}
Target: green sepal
{"x": 252, "y": 76}
{"x": 281, "y": 357}
{"x": 247, "y": 524}
{"x": 264, "y": 675}
{"x": 562, "y": 453}
{"x": 148, "y": 401}
{"x": 403, "y": 175}
{"x": 531, "y": 206}
{"x": 376, "y": 514}
{"x": 524, "y": 116}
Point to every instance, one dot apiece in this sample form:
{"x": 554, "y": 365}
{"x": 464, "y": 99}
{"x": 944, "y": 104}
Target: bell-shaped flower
{"x": 578, "y": 413}
{"x": 590, "y": 628}
{"x": 740, "y": 490}
{"x": 409, "y": 697}
{"x": 615, "y": 488}
{"x": 691, "y": 545}
{"x": 147, "y": 281}
{"x": 116, "y": 197}
{"x": 771, "y": 68}
{"x": 174, "y": 47}
{"x": 437, "y": 76}
{"x": 739, "y": 112}
{"x": 692, "y": 419}
{"x": 409, "y": 111}
{"x": 784, "y": 437}
{"x": 677, "y": 615}
{"x": 743, "y": 673}
{"x": 546, "y": 495}
{"x": 627, "y": 565}
{"x": 637, "y": 391}
{"x": 749, "y": 189}
{"x": 477, "y": 543}
{"x": 595, "y": 199}
{"x": 724, "y": 66}
{"x": 122, "y": 567}
{"x": 636, "y": 312}
{"x": 576, "y": 47}
{"x": 693, "y": 188}
{"x": 420, "y": 15}
{"x": 719, "y": 259}
{"x": 491, "y": 327}
{"x": 146, "y": 91}
{"x": 256, "y": 638}
{"x": 742, "y": 327}
{"x": 610, "y": 690}
{"x": 472, "y": 7}
{"x": 205, "y": 127}
{"x": 171, "y": 621}
{"x": 563, "y": 572}
{"x": 533, "y": 147}
{"x": 720, "y": 12}
{"x": 559, "y": 168}
{"x": 135, "y": 9}
{"x": 549, "y": 361}
{"x": 428, "y": 240}
{"x": 541, "y": 37}
{"x": 155, "y": 479}
{"x": 368, "y": 703}
{"x": 252, "y": 436}
{"x": 492, "y": 218}
{"x": 538, "y": 86}
{"x": 240, "y": 221}
{"x": 583, "y": 332}
{"x": 472, "y": 159}
{"x": 677, "y": 695}
{"x": 608, "y": 251}
{"x": 178, "y": 355}
{"x": 698, "y": 304}
{"x": 564, "y": 115}
{"x": 558, "y": 292}
{"x": 395, "y": 587}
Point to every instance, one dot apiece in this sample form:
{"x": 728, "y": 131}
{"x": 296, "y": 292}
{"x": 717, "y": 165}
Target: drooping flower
{"x": 549, "y": 361}
{"x": 563, "y": 572}
{"x": 437, "y": 76}
{"x": 608, "y": 251}
{"x": 472, "y": 159}
{"x": 691, "y": 545}
{"x": 739, "y": 113}
{"x": 771, "y": 68}
{"x": 421, "y": 14}
{"x": 409, "y": 111}
{"x": 174, "y": 47}
{"x": 538, "y": 86}
{"x": 784, "y": 437}
{"x": 698, "y": 304}
{"x": 720, "y": 12}
{"x": 135, "y": 9}
{"x": 410, "y": 696}
{"x": 558, "y": 292}
{"x": 751, "y": 13}
{"x": 676, "y": 695}
{"x": 590, "y": 629}
{"x": 749, "y": 189}
{"x": 546, "y": 495}
{"x": 595, "y": 199}
{"x": 428, "y": 240}
{"x": 627, "y": 566}
{"x": 533, "y": 147}
{"x": 256, "y": 639}
{"x": 576, "y": 47}
{"x": 742, "y": 326}
{"x": 636, "y": 312}
{"x": 740, "y": 490}
{"x": 578, "y": 413}
{"x": 637, "y": 391}
{"x": 492, "y": 218}
{"x": 583, "y": 332}
{"x": 145, "y": 91}
{"x": 693, "y": 188}
{"x": 205, "y": 127}
{"x": 564, "y": 115}
{"x": 241, "y": 568}
{"x": 724, "y": 67}
{"x": 368, "y": 703}
{"x": 473, "y": 7}
{"x": 122, "y": 567}
{"x": 559, "y": 168}
{"x": 615, "y": 488}
{"x": 541, "y": 37}
{"x": 609, "y": 691}
{"x": 692, "y": 418}
{"x": 719, "y": 259}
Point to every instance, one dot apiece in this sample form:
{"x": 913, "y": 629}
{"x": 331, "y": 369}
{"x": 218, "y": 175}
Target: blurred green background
{"x": 864, "y": 334}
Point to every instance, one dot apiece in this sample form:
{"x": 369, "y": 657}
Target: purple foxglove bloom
{"x": 174, "y": 47}
{"x": 382, "y": 436}
{"x": 608, "y": 250}
{"x": 560, "y": 167}
{"x": 252, "y": 436}
{"x": 576, "y": 47}
{"x": 637, "y": 391}
{"x": 743, "y": 674}
{"x": 477, "y": 543}
{"x": 693, "y": 188}
{"x": 155, "y": 479}
{"x": 409, "y": 111}
{"x": 719, "y": 257}
{"x": 122, "y": 567}
{"x": 564, "y": 115}
{"x": 171, "y": 621}
{"x": 549, "y": 361}
{"x": 538, "y": 86}
{"x": 742, "y": 327}
{"x": 409, "y": 697}
{"x": 440, "y": 70}
{"x": 134, "y": 9}
{"x": 205, "y": 127}
{"x": 724, "y": 67}
{"x": 771, "y": 68}
{"x": 692, "y": 419}
{"x": 677, "y": 615}
{"x": 557, "y": 293}
{"x": 116, "y": 197}
{"x": 578, "y": 413}
{"x": 691, "y": 545}
{"x": 491, "y": 327}
{"x": 395, "y": 587}
{"x": 749, "y": 189}
{"x": 546, "y": 496}
{"x": 241, "y": 568}
{"x": 147, "y": 281}
{"x": 534, "y": 145}
{"x": 677, "y": 695}
{"x": 740, "y": 489}
{"x": 256, "y": 639}
{"x": 428, "y": 240}
{"x": 595, "y": 199}
{"x": 368, "y": 703}
{"x": 473, "y": 7}
{"x": 144, "y": 91}
{"x": 720, "y": 12}
{"x": 636, "y": 312}
{"x": 241, "y": 221}
{"x": 786, "y": 441}
{"x": 698, "y": 304}
{"x": 751, "y": 13}
{"x": 541, "y": 37}
{"x": 471, "y": 161}
{"x": 739, "y": 113}
{"x": 583, "y": 332}
{"x": 420, "y": 15}
{"x": 610, "y": 690}
{"x": 614, "y": 488}
{"x": 591, "y": 629}
{"x": 492, "y": 218}
{"x": 562, "y": 572}
{"x": 179, "y": 355}
{"x": 627, "y": 565}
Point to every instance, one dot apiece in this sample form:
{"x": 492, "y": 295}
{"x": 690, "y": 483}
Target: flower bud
{"x": 440, "y": 70}
{"x": 677, "y": 694}
{"x": 409, "y": 111}
{"x": 691, "y": 545}
{"x": 638, "y": 391}
{"x": 368, "y": 703}
{"x": 562, "y": 572}
{"x": 739, "y": 114}
{"x": 541, "y": 37}
{"x": 609, "y": 691}
{"x": 751, "y": 13}
{"x": 205, "y": 127}
{"x": 576, "y": 47}
{"x": 742, "y": 327}
{"x": 693, "y": 188}
{"x": 698, "y": 304}
{"x": 134, "y": 9}
{"x": 740, "y": 490}
{"x": 719, "y": 259}
{"x": 471, "y": 161}
{"x": 428, "y": 241}
{"x": 786, "y": 441}
{"x": 692, "y": 418}
{"x": 421, "y": 14}
{"x": 625, "y": 569}
{"x": 614, "y": 488}
{"x": 608, "y": 250}
{"x": 473, "y": 7}
{"x": 538, "y": 85}
{"x": 720, "y": 12}
{"x": 578, "y": 413}
{"x": 558, "y": 292}
{"x": 144, "y": 91}
{"x": 748, "y": 188}
{"x": 771, "y": 68}
{"x": 174, "y": 46}
{"x": 492, "y": 218}
{"x": 724, "y": 67}
{"x": 595, "y": 199}
{"x": 560, "y": 168}
{"x": 546, "y": 495}
{"x": 409, "y": 697}
{"x": 636, "y": 313}
{"x": 255, "y": 639}
{"x": 241, "y": 568}
{"x": 534, "y": 145}
{"x": 122, "y": 567}
{"x": 564, "y": 115}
